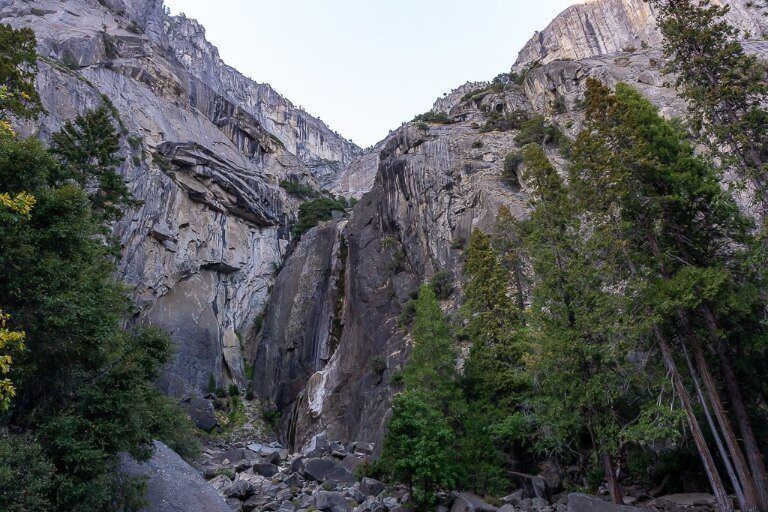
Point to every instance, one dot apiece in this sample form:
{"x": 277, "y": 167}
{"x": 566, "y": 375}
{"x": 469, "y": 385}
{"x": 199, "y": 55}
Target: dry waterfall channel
{"x": 290, "y": 347}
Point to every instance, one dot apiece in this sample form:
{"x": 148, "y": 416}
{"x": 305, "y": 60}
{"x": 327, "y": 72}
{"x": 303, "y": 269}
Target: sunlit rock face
{"x": 204, "y": 148}
{"x": 600, "y": 27}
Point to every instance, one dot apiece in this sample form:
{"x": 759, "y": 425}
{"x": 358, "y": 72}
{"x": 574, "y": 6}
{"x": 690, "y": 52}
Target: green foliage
{"x": 234, "y": 390}
{"x": 435, "y": 441}
{"x": 297, "y": 189}
{"x": 311, "y": 213}
{"x": 434, "y": 118}
{"x": 18, "y": 69}
{"x": 88, "y": 151}
{"x": 418, "y": 449}
{"x": 25, "y": 475}
{"x": 84, "y": 385}
{"x": 726, "y": 89}
{"x": 442, "y": 284}
{"x": 537, "y": 130}
{"x": 497, "y": 121}
{"x": 378, "y": 365}
{"x": 211, "y": 384}
{"x": 511, "y": 165}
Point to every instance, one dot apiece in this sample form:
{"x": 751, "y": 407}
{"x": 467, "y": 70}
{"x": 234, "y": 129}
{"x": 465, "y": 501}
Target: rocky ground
{"x": 251, "y": 470}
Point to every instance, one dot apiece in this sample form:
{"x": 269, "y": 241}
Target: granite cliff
{"x": 330, "y": 347}
{"x": 205, "y": 150}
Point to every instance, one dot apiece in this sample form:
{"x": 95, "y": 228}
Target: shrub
{"x": 538, "y": 130}
{"x": 434, "y": 118}
{"x": 378, "y": 365}
{"x": 221, "y": 392}
{"x": 477, "y": 144}
{"x": 511, "y": 165}
{"x": 442, "y": 284}
{"x": 211, "y": 384}
{"x": 502, "y": 123}
{"x": 311, "y": 213}
{"x": 234, "y": 390}
{"x": 407, "y": 313}
{"x": 297, "y": 189}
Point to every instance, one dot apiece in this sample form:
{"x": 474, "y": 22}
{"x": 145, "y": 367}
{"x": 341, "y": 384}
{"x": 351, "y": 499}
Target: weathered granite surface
{"x": 204, "y": 148}
{"x": 599, "y": 27}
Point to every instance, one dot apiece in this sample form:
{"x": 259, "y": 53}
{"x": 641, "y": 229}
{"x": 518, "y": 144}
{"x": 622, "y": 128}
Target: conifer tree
{"x": 665, "y": 214}
{"x": 726, "y": 89}
{"x": 88, "y": 150}
{"x": 18, "y": 68}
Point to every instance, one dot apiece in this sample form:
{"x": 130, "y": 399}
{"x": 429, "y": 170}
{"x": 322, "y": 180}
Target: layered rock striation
{"x": 205, "y": 149}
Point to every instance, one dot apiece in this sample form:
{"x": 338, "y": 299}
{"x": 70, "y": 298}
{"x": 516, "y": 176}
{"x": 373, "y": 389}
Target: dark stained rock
{"x": 172, "y": 484}
{"x": 240, "y": 489}
{"x": 326, "y": 470}
{"x": 532, "y": 486}
{"x": 468, "y": 502}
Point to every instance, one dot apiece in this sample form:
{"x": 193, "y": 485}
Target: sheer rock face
{"x": 429, "y": 189}
{"x": 205, "y": 149}
{"x": 600, "y": 27}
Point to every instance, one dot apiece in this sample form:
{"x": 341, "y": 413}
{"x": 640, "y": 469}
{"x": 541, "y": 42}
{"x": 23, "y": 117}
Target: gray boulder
{"x": 201, "y": 413}
{"x": 371, "y": 487}
{"x": 326, "y": 470}
{"x": 468, "y": 502}
{"x": 265, "y": 469}
{"x": 331, "y": 501}
{"x": 241, "y": 490}
{"x": 172, "y": 484}
{"x": 578, "y": 502}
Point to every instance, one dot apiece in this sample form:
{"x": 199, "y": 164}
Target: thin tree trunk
{"x": 754, "y": 454}
{"x": 613, "y": 483}
{"x": 716, "y": 434}
{"x": 723, "y": 501}
{"x": 745, "y": 485}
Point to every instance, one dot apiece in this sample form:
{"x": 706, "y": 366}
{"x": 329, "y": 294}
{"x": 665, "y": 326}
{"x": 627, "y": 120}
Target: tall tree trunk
{"x": 737, "y": 486}
{"x": 744, "y": 486}
{"x": 613, "y": 483}
{"x": 754, "y": 454}
{"x": 721, "y": 496}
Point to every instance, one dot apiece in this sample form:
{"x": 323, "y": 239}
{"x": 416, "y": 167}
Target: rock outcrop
{"x": 601, "y": 27}
{"x": 172, "y": 484}
{"x": 205, "y": 149}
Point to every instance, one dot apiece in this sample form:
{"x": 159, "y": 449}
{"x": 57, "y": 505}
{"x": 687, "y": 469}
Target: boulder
{"x": 468, "y": 502}
{"x": 331, "y": 501}
{"x": 172, "y": 484}
{"x": 578, "y": 502}
{"x": 532, "y": 486}
{"x": 318, "y": 445}
{"x": 371, "y": 487}
{"x": 201, "y": 413}
{"x": 265, "y": 469}
{"x": 326, "y": 470}
{"x": 240, "y": 489}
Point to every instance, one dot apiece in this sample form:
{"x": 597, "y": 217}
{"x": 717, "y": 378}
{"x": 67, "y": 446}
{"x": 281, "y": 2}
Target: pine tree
{"x": 88, "y": 151}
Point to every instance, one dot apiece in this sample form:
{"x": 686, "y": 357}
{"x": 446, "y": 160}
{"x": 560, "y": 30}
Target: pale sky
{"x": 366, "y": 66}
